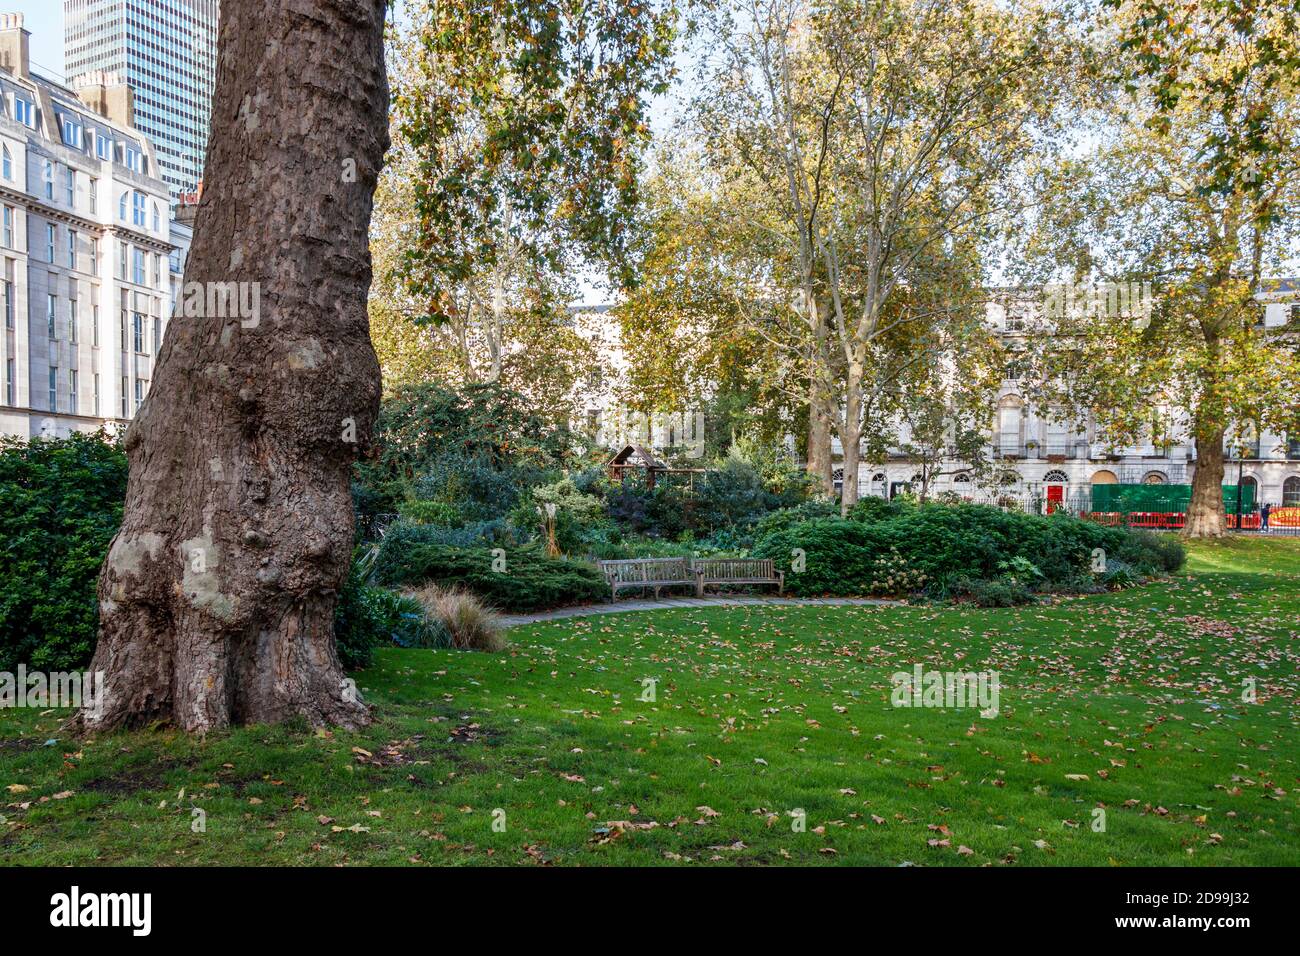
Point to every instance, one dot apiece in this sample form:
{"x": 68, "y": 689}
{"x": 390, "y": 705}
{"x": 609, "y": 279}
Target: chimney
{"x": 105, "y": 93}
{"x": 13, "y": 45}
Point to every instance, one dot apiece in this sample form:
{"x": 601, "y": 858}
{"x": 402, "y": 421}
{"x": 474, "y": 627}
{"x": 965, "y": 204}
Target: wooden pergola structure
{"x": 637, "y": 458}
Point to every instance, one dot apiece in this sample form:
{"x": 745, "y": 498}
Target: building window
{"x": 54, "y": 388}
{"x": 51, "y": 303}
{"x": 137, "y": 209}
{"x": 70, "y": 185}
{"x": 139, "y": 394}
{"x": 1009, "y": 426}
{"x": 94, "y": 255}
{"x": 157, "y": 219}
{"x": 9, "y": 381}
{"x": 94, "y": 195}
{"x": 72, "y": 319}
{"x": 72, "y": 133}
{"x": 49, "y": 179}
{"x": 94, "y": 328}
{"x": 1154, "y": 478}
{"x": 133, "y": 159}
{"x": 8, "y": 166}
{"x": 9, "y": 227}
{"x": 9, "y": 304}
{"x": 96, "y": 381}
{"x": 25, "y": 112}
{"x": 137, "y": 266}
{"x": 49, "y": 241}
{"x": 126, "y": 385}
{"x": 103, "y": 146}
{"x": 72, "y": 248}
{"x": 121, "y": 261}
{"x": 158, "y": 270}
{"x": 121, "y": 208}
{"x": 1290, "y": 490}
{"x": 72, "y": 390}
{"x": 137, "y": 326}
{"x": 157, "y": 335}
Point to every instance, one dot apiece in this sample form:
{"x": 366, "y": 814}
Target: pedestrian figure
{"x": 1263, "y": 516}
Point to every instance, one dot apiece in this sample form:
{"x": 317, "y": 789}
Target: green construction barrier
{"x": 1163, "y": 499}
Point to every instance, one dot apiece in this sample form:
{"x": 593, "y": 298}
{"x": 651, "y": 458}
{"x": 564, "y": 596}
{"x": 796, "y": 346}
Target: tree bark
{"x": 217, "y": 597}
{"x": 1205, "y": 517}
{"x": 820, "y": 465}
{"x": 850, "y": 430}
{"x": 820, "y": 460}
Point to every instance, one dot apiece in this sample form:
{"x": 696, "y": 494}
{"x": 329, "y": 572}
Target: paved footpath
{"x": 618, "y": 607}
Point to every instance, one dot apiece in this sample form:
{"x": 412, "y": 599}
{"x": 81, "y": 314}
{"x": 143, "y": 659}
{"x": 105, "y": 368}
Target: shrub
{"x": 875, "y": 508}
{"x": 441, "y": 514}
{"x": 528, "y": 581}
{"x": 949, "y": 544}
{"x": 785, "y": 517}
{"x": 401, "y": 536}
{"x": 60, "y": 505}
{"x": 468, "y": 623}
{"x": 367, "y": 616}
{"x": 1159, "y": 552}
{"x": 998, "y": 592}
{"x": 577, "y": 515}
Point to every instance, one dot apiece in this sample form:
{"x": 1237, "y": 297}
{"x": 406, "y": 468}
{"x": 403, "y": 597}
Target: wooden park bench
{"x": 736, "y": 571}
{"x": 647, "y": 573}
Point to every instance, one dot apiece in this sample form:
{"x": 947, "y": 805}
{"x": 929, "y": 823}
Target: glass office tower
{"x": 166, "y": 51}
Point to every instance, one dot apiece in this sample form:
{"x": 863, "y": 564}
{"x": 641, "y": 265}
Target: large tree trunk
{"x": 217, "y": 597}
{"x": 1205, "y": 512}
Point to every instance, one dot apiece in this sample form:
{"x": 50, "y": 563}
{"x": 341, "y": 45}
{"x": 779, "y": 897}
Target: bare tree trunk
{"x": 820, "y": 410}
{"x": 1205, "y": 518}
{"x": 217, "y": 597}
{"x": 851, "y": 436}
{"x": 820, "y": 465}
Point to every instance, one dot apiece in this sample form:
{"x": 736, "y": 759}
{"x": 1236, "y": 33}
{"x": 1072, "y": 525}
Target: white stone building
{"x": 1049, "y": 457}
{"x": 84, "y": 250}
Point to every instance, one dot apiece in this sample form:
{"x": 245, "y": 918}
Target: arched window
{"x": 1250, "y": 490}
{"x": 121, "y": 208}
{"x": 961, "y": 477}
{"x": 1291, "y": 491}
{"x": 1056, "y": 478}
{"x": 1154, "y": 478}
{"x": 8, "y": 164}
{"x": 878, "y": 478}
{"x": 156, "y": 218}
{"x": 1104, "y": 477}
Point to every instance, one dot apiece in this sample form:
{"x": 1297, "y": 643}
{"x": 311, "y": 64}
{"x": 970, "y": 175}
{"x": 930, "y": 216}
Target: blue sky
{"x": 44, "y": 20}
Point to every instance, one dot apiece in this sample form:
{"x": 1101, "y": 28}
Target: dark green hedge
{"x": 530, "y": 581}
{"x": 60, "y": 505}
{"x": 933, "y": 546}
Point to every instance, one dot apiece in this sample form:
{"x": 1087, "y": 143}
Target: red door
{"x": 1055, "y": 497}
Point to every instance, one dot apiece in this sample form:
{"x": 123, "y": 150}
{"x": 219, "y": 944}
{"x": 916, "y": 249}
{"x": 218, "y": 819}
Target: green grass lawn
{"x": 1130, "y": 701}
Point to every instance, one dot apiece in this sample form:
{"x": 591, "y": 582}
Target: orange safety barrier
{"x": 1287, "y": 517}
